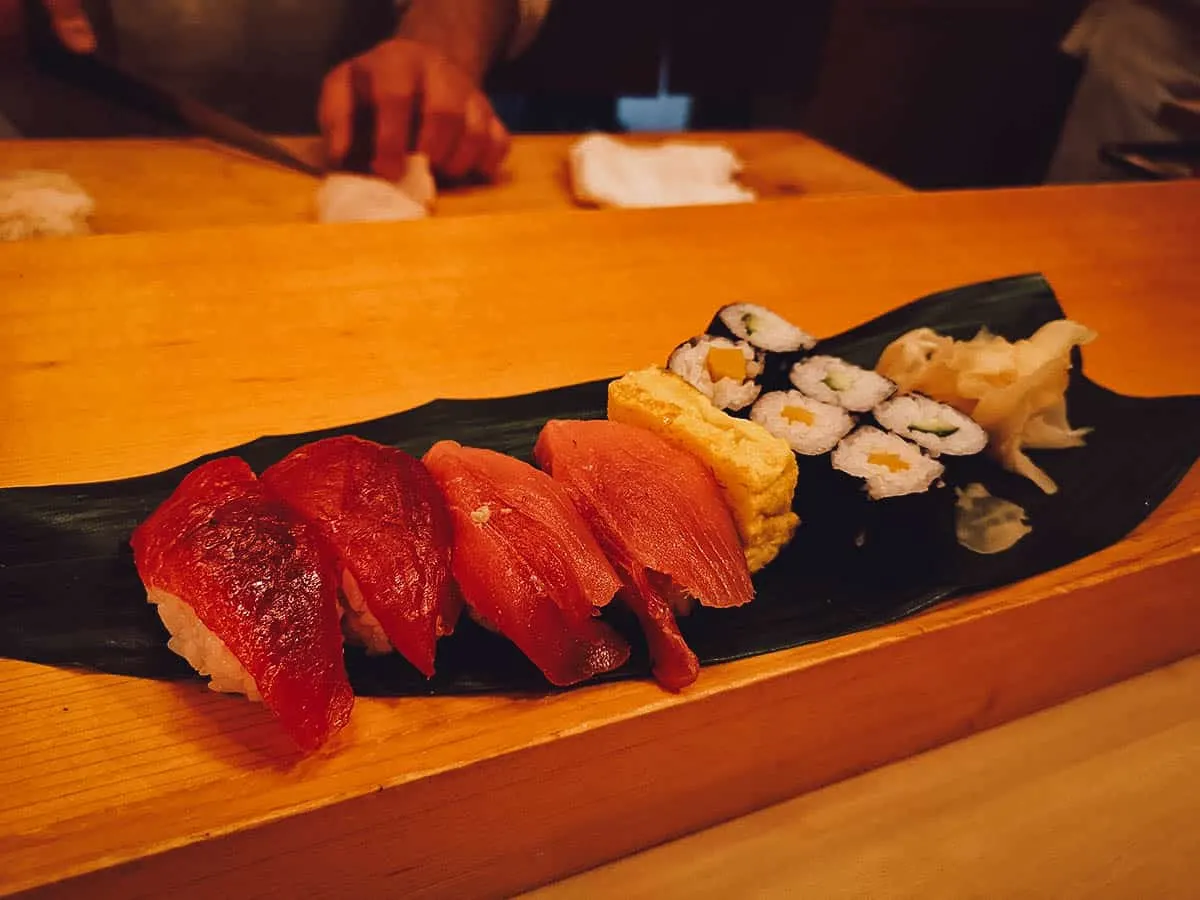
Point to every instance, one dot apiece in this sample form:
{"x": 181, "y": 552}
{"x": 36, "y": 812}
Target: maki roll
{"x": 833, "y": 380}
{"x": 938, "y": 427}
{"x": 902, "y": 515}
{"x": 722, "y": 370}
{"x": 760, "y": 328}
{"x": 888, "y": 465}
{"x": 810, "y": 427}
{"x": 780, "y": 342}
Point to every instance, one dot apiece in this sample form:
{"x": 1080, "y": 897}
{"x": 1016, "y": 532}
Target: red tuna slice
{"x": 257, "y": 577}
{"x": 526, "y": 563}
{"x": 659, "y": 515}
{"x": 675, "y": 665}
{"x": 383, "y": 518}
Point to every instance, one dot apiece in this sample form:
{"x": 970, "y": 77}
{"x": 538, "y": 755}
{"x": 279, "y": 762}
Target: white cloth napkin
{"x": 343, "y": 197}
{"x": 608, "y": 172}
{"x": 43, "y": 204}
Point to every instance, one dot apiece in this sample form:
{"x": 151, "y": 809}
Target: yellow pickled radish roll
{"x": 722, "y": 370}
{"x": 890, "y": 465}
{"x": 810, "y": 427}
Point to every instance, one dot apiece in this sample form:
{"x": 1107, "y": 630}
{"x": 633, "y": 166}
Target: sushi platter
{"x": 643, "y": 491}
{"x": 750, "y": 515}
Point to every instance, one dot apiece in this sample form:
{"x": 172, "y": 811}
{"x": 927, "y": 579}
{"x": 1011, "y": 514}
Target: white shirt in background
{"x": 1136, "y": 57}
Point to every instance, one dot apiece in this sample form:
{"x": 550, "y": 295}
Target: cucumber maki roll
{"x": 724, "y": 371}
{"x": 760, "y": 328}
{"x": 938, "y": 427}
{"x": 833, "y": 380}
{"x": 780, "y": 343}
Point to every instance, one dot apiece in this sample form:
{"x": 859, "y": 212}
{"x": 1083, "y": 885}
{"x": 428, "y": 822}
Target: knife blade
{"x": 164, "y": 102}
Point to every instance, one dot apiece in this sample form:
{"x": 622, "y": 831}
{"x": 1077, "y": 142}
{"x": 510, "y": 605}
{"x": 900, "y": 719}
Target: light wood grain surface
{"x": 164, "y": 185}
{"x": 125, "y": 354}
{"x": 1094, "y": 798}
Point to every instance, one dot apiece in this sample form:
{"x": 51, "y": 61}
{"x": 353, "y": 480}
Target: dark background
{"x": 933, "y": 92}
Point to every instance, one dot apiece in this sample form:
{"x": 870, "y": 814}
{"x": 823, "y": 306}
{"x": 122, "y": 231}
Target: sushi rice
{"x": 204, "y": 651}
{"x": 358, "y": 623}
{"x": 938, "y": 427}
{"x": 833, "y": 380}
{"x": 764, "y": 329}
{"x": 890, "y": 465}
{"x": 810, "y": 427}
{"x": 693, "y": 363}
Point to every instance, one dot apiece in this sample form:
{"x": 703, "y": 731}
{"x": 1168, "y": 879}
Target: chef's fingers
{"x": 497, "y": 148}
{"x": 393, "y": 87}
{"x": 335, "y": 112}
{"x": 443, "y": 108}
{"x": 466, "y": 155}
{"x": 71, "y": 24}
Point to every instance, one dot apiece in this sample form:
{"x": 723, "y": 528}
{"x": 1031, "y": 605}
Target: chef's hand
{"x": 71, "y": 24}
{"x": 422, "y": 101}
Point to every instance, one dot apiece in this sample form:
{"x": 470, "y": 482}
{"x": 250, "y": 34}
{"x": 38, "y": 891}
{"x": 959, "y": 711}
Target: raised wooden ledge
{"x": 577, "y": 780}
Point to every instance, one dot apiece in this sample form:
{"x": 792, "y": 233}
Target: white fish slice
{"x": 346, "y": 197}
{"x": 608, "y": 172}
{"x": 43, "y": 204}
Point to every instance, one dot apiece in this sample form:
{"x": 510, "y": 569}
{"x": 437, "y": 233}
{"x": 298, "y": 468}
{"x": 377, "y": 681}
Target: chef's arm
{"x": 425, "y": 86}
{"x": 473, "y": 34}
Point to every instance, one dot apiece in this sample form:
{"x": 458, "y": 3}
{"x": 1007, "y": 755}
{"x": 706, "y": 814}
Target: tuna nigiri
{"x": 383, "y": 519}
{"x": 526, "y": 563}
{"x": 249, "y": 596}
{"x": 659, "y": 515}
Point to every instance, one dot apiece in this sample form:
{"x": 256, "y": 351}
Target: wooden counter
{"x": 125, "y": 354}
{"x": 1094, "y": 798}
{"x": 160, "y": 185}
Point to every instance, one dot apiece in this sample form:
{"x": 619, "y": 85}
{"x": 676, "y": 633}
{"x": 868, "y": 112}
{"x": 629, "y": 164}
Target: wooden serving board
{"x": 127, "y": 354}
